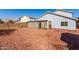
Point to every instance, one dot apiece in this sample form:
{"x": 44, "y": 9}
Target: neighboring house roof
{"x": 31, "y": 17}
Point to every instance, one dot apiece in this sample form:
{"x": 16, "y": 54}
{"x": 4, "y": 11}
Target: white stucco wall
{"x": 56, "y": 21}
{"x": 63, "y": 13}
{"x": 26, "y": 19}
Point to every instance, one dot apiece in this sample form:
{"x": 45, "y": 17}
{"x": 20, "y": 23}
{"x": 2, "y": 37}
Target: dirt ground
{"x": 33, "y": 39}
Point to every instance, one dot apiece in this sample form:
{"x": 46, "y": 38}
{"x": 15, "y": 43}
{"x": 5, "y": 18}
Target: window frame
{"x": 64, "y": 23}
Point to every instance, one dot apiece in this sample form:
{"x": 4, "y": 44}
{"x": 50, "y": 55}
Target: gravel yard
{"x": 33, "y": 39}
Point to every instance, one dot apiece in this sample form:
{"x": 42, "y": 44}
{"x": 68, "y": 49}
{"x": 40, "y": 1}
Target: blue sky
{"x": 17, "y": 13}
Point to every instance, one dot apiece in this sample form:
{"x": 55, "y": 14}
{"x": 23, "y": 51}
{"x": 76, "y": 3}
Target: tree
{"x": 10, "y": 21}
{"x": 1, "y": 21}
{"x": 77, "y": 21}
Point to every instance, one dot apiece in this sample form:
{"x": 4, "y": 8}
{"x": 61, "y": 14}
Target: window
{"x": 64, "y": 23}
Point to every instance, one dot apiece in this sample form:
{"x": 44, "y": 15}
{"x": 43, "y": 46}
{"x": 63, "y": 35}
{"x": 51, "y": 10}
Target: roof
{"x": 60, "y": 15}
{"x": 43, "y": 20}
{"x": 39, "y": 21}
{"x": 64, "y": 11}
{"x": 31, "y": 17}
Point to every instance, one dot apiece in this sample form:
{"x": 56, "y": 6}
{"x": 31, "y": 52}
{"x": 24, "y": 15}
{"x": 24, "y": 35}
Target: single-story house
{"x": 59, "y": 19}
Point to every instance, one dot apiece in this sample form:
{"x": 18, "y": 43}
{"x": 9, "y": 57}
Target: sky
{"x": 18, "y": 13}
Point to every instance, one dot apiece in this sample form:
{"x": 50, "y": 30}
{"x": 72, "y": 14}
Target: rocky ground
{"x": 33, "y": 39}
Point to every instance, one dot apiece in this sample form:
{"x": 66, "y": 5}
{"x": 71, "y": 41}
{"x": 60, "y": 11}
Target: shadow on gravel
{"x": 72, "y": 40}
{"x": 6, "y": 32}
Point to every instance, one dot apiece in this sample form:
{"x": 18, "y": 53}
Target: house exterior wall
{"x": 43, "y": 25}
{"x": 56, "y": 21}
{"x": 63, "y": 13}
{"x": 37, "y": 24}
{"x": 33, "y": 25}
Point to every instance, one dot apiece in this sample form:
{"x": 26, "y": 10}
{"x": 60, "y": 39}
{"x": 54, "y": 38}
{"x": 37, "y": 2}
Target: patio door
{"x": 50, "y": 26}
{"x": 39, "y": 25}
